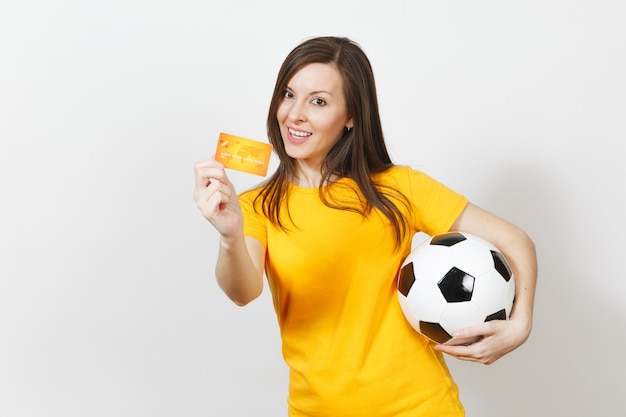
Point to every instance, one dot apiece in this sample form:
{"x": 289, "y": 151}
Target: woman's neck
{"x": 309, "y": 177}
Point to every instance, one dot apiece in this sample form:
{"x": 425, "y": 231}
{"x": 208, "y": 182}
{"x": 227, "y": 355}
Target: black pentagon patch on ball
{"x": 501, "y": 266}
{"x": 434, "y": 331}
{"x": 499, "y": 315}
{"x": 456, "y": 286}
{"x": 406, "y": 278}
{"x": 447, "y": 239}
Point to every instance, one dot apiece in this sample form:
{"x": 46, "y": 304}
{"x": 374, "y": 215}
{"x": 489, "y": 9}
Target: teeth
{"x": 299, "y": 134}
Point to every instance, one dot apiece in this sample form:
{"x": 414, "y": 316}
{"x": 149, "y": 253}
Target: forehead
{"x": 317, "y": 77}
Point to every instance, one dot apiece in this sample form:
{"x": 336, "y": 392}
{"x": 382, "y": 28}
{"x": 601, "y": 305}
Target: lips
{"x": 298, "y": 136}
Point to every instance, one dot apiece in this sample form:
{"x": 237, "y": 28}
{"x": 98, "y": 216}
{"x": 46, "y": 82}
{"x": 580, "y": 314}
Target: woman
{"x": 330, "y": 229}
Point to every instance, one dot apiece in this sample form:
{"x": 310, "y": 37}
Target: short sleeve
{"x": 435, "y": 207}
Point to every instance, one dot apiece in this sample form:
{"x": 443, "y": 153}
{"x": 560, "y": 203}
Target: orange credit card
{"x": 243, "y": 154}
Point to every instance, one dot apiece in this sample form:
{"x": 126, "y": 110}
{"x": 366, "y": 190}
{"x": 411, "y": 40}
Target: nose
{"x": 297, "y": 111}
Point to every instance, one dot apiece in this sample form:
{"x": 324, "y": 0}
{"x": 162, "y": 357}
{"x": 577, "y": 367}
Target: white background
{"x": 108, "y": 303}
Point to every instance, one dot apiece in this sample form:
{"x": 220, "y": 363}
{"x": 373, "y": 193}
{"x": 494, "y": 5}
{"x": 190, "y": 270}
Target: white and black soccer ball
{"x": 454, "y": 280}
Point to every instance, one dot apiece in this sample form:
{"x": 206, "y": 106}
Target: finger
{"x": 205, "y": 177}
{"x": 461, "y": 352}
{"x": 203, "y": 170}
{"x": 211, "y": 203}
{"x": 221, "y": 185}
{"x": 483, "y": 351}
{"x": 212, "y": 162}
{"x": 475, "y": 332}
{"x": 213, "y": 175}
{"x": 204, "y": 192}
{"x": 463, "y": 340}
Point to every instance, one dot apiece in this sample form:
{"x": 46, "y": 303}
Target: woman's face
{"x": 312, "y": 113}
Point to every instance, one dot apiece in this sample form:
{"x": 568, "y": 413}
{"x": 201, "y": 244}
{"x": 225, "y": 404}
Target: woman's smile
{"x": 298, "y": 136}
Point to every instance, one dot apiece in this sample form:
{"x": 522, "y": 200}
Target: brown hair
{"x": 359, "y": 153}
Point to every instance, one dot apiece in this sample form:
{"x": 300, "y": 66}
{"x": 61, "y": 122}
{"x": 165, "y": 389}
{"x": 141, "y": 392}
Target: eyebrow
{"x": 314, "y": 92}
{"x": 321, "y": 91}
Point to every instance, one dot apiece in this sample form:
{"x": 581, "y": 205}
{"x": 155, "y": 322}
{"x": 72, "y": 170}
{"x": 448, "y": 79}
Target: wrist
{"x": 523, "y": 323}
{"x": 228, "y": 242}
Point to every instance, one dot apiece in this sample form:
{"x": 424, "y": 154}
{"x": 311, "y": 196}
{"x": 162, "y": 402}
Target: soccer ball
{"x": 454, "y": 280}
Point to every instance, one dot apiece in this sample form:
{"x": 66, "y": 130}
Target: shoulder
{"x": 400, "y": 176}
{"x": 415, "y": 184}
{"x": 250, "y": 195}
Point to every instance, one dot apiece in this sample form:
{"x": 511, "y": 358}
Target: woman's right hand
{"x": 217, "y": 199}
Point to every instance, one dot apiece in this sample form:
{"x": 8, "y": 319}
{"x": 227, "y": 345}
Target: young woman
{"x": 330, "y": 229}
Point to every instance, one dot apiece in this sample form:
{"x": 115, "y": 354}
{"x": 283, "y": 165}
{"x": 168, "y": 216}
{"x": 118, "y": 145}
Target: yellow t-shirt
{"x": 349, "y": 349}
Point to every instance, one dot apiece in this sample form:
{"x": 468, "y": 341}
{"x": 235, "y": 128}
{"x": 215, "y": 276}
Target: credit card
{"x": 243, "y": 154}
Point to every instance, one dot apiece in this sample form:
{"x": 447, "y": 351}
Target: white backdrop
{"x": 108, "y": 303}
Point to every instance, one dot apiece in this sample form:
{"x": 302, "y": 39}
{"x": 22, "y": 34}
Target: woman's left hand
{"x": 496, "y": 338}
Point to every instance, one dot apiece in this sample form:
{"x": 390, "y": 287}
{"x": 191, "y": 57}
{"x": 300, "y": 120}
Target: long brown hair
{"x": 358, "y": 154}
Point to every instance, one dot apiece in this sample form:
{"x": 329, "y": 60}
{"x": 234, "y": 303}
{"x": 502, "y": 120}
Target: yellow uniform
{"x": 349, "y": 349}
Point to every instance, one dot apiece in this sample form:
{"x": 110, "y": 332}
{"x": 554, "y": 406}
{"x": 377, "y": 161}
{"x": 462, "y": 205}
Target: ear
{"x": 349, "y": 123}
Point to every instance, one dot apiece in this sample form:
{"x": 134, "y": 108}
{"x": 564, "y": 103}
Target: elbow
{"x": 522, "y": 238}
{"x": 241, "y": 285}
{"x": 243, "y": 296}
{"x": 530, "y": 244}
{"x": 244, "y": 301}
{"x": 241, "y": 301}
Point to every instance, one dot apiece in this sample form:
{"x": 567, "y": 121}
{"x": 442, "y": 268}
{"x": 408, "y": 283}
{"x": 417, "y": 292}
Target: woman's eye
{"x": 287, "y": 94}
{"x": 319, "y": 101}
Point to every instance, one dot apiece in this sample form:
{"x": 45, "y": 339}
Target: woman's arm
{"x": 240, "y": 260}
{"x": 499, "y": 337}
{"x": 239, "y": 269}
